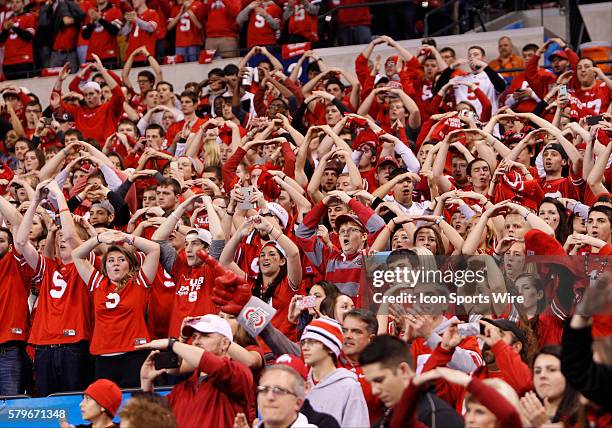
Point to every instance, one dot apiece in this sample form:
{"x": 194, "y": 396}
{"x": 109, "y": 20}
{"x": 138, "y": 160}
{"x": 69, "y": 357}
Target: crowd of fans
{"x": 138, "y": 222}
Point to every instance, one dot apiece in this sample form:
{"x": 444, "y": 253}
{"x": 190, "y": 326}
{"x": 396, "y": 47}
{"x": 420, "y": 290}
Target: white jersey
{"x": 463, "y": 93}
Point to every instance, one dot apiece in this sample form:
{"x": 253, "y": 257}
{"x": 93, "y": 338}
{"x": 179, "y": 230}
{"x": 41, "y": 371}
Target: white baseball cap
{"x": 92, "y": 85}
{"x": 209, "y": 324}
{"x": 203, "y": 235}
{"x": 279, "y": 212}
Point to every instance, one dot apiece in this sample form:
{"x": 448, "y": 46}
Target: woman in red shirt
{"x": 119, "y": 298}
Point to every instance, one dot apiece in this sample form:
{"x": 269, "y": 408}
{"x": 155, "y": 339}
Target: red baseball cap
{"x": 385, "y": 159}
{"x": 558, "y": 53}
{"x": 294, "y": 362}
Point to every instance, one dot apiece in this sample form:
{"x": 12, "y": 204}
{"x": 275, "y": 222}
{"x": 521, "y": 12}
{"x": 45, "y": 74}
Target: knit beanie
{"x": 327, "y": 331}
{"x": 106, "y": 393}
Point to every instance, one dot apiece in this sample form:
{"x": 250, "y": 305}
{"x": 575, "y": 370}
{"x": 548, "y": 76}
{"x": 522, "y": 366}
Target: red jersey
{"x": 187, "y": 34}
{"x": 222, "y": 18}
{"x": 161, "y": 301}
{"x": 193, "y": 292}
{"x": 98, "y": 122}
{"x": 302, "y": 23}
{"x": 138, "y": 37}
{"x": 565, "y": 185}
{"x": 352, "y": 17}
{"x": 66, "y": 39}
{"x": 280, "y": 301}
{"x": 119, "y": 314}
{"x": 596, "y": 98}
{"x": 177, "y": 127}
{"x": 15, "y": 277}
{"x": 63, "y": 314}
{"x": 101, "y": 42}
{"x": 259, "y": 32}
{"x": 17, "y": 50}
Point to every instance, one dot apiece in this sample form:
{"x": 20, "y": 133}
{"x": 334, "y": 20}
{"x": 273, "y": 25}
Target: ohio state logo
{"x": 255, "y": 317}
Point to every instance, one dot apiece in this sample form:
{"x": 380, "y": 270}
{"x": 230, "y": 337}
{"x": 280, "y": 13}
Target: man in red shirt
{"x": 65, "y": 18}
{"x": 96, "y": 120}
{"x": 592, "y": 86}
{"x": 219, "y": 387}
{"x": 221, "y": 27}
{"x": 188, "y": 18}
{"x": 101, "y": 28}
{"x": 189, "y": 101}
{"x": 141, "y": 26}
{"x": 16, "y": 36}
{"x": 555, "y": 158}
{"x": 302, "y": 22}
{"x": 264, "y": 22}
{"x": 62, "y": 323}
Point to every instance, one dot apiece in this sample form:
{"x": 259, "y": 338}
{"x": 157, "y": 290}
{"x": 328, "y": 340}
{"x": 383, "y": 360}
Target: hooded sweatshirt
{"x": 340, "y": 395}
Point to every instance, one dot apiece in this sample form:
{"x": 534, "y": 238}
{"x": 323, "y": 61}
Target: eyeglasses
{"x": 348, "y": 231}
{"x": 277, "y": 391}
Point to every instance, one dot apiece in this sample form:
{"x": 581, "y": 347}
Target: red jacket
{"x": 542, "y": 82}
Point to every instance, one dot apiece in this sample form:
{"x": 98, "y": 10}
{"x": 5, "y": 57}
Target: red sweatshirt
{"x": 227, "y": 389}
{"x": 542, "y": 82}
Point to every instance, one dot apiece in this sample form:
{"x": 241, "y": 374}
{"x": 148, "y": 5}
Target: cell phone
{"x": 594, "y": 120}
{"x": 307, "y": 302}
{"x": 562, "y": 93}
{"x": 48, "y": 121}
{"x": 470, "y": 329}
{"x": 166, "y": 360}
{"x": 174, "y": 166}
{"x": 246, "y": 193}
{"x": 58, "y": 221}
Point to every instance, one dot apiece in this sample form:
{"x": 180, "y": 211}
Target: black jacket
{"x": 321, "y": 420}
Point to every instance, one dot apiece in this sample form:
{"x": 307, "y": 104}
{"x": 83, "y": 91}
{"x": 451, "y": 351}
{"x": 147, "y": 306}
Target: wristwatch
{"x": 171, "y": 341}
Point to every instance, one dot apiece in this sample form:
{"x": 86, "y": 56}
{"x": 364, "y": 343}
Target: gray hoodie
{"x": 340, "y": 396}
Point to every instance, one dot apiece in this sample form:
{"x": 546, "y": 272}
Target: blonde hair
{"x": 212, "y": 153}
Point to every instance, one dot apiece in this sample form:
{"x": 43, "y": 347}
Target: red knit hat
{"x": 527, "y": 193}
{"x": 539, "y": 243}
{"x": 327, "y": 331}
{"x": 106, "y": 393}
{"x": 294, "y": 362}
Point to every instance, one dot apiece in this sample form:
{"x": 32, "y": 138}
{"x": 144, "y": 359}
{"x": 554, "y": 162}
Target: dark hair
{"x": 40, "y": 156}
{"x": 231, "y": 70}
{"x": 471, "y": 165}
{"x": 334, "y": 81}
{"x": 216, "y": 72}
{"x": 605, "y": 198}
{"x": 74, "y": 132}
{"x": 448, "y": 49}
{"x": 171, "y": 182}
{"x": 440, "y": 249}
{"x": 216, "y": 169}
{"x": 367, "y": 317}
{"x": 9, "y": 234}
{"x": 266, "y": 61}
{"x": 280, "y": 276}
{"x": 126, "y": 121}
{"x": 329, "y": 288}
{"x": 604, "y": 210}
{"x": 530, "y": 47}
{"x": 387, "y": 350}
{"x": 158, "y": 127}
{"x": 132, "y": 260}
{"x": 34, "y": 103}
{"x": 429, "y": 41}
{"x": 118, "y": 156}
{"x": 313, "y": 67}
{"x": 148, "y": 74}
{"x": 562, "y": 231}
{"x": 480, "y": 48}
{"x": 569, "y": 403}
{"x": 163, "y": 82}
{"x": 189, "y": 94}
{"x": 328, "y": 305}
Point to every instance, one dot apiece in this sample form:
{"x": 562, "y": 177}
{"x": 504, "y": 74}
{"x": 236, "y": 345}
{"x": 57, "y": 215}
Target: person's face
{"x": 192, "y": 246}
{"x": 402, "y": 191}
{"x": 127, "y": 129}
{"x": 344, "y": 183}
{"x": 284, "y": 200}
{"x": 478, "y": 416}
{"x": 21, "y": 148}
{"x": 314, "y": 352}
{"x": 553, "y": 161}
{"x": 93, "y": 98}
{"x": 401, "y": 239}
{"x": 335, "y": 210}
{"x": 214, "y": 343}
{"x": 71, "y": 138}
{"x": 356, "y": 335}
{"x": 426, "y": 238}
{"x": 153, "y": 139}
{"x": 144, "y": 84}
{"x": 475, "y": 54}
{"x": 5, "y": 246}
{"x": 185, "y": 168}
{"x": 212, "y": 177}
{"x": 166, "y": 198}
{"x": 281, "y": 409}
{"x": 387, "y": 384}
{"x": 383, "y": 171}
{"x": 32, "y": 113}
{"x": 480, "y": 174}
{"x": 187, "y": 106}
{"x": 390, "y": 68}
{"x": 548, "y": 212}
{"x": 149, "y": 199}
{"x": 515, "y": 226}
{"x": 332, "y": 115}
{"x": 335, "y": 90}
{"x": 344, "y": 304}
{"x": 530, "y": 293}
{"x": 107, "y": 94}
{"x": 17, "y": 6}
{"x": 31, "y": 161}
{"x": 216, "y": 83}
{"x": 366, "y": 159}
{"x": 225, "y": 152}
{"x": 527, "y": 55}
{"x": 352, "y": 237}
{"x": 90, "y": 409}
{"x": 226, "y": 111}
{"x": 36, "y": 231}
{"x": 329, "y": 179}
{"x": 270, "y": 261}
{"x": 504, "y": 47}
{"x": 579, "y": 225}
{"x": 559, "y": 65}
{"x": 151, "y": 99}
{"x": 548, "y": 380}
{"x": 231, "y": 320}
{"x": 99, "y": 215}
{"x": 584, "y": 73}
{"x": 514, "y": 260}
{"x": 459, "y": 168}
{"x": 397, "y": 110}
{"x": 423, "y": 152}
{"x": 164, "y": 93}
{"x": 117, "y": 266}
{"x": 458, "y": 222}
{"x": 319, "y": 294}
{"x": 598, "y": 226}
{"x": 448, "y": 57}
{"x": 430, "y": 67}
{"x": 276, "y": 106}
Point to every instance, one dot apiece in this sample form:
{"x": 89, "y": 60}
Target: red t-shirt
{"x": 64, "y": 312}
{"x": 66, "y": 39}
{"x": 259, "y": 32}
{"x": 101, "y": 42}
{"x": 161, "y": 300}
{"x": 564, "y": 185}
{"x": 596, "y": 98}
{"x": 177, "y": 127}
{"x": 187, "y": 34}
{"x": 17, "y": 50}
{"x": 138, "y": 37}
{"x": 15, "y": 278}
{"x": 119, "y": 315}
{"x": 302, "y": 23}
{"x": 193, "y": 292}
{"x": 222, "y": 18}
